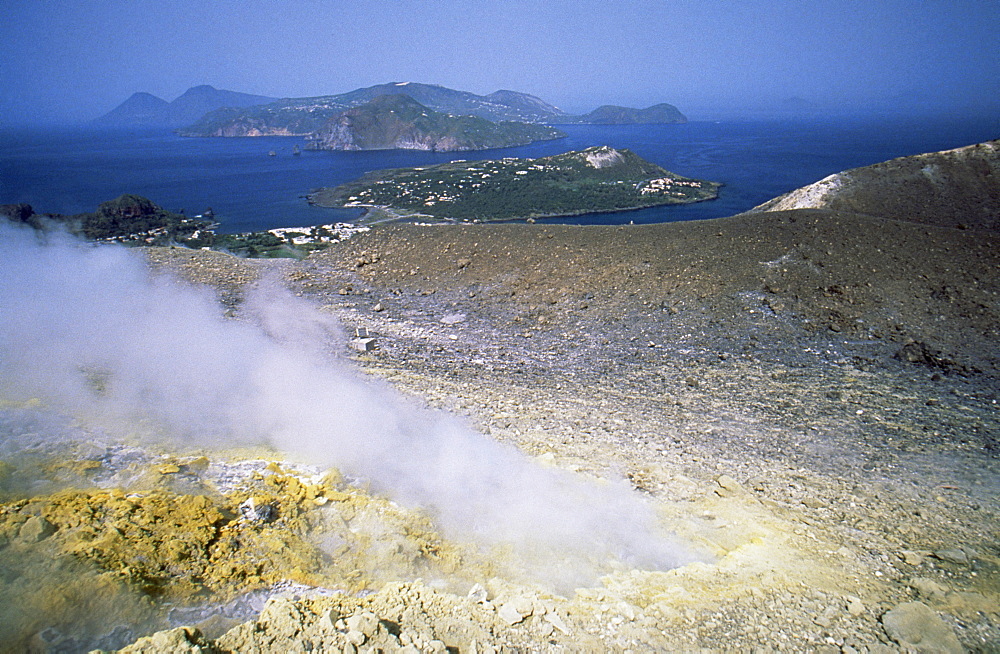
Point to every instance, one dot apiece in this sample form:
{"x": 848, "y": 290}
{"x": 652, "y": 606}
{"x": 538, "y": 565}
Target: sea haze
{"x": 72, "y": 171}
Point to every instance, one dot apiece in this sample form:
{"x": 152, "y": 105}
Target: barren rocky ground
{"x": 809, "y": 397}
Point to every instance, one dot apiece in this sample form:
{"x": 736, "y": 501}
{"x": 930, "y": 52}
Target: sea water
{"x": 71, "y": 171}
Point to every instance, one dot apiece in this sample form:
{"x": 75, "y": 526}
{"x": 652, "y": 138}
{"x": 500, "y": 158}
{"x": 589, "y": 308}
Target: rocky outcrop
{"x": 954, "y": 188}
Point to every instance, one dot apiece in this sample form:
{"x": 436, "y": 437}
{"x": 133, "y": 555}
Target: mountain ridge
{"x": 951, "y": 188}
{"x": 302, "y": 116}
{"x": 143, "y": 109}
{"x": 609, "y": 114}
{"x": 400, "y": 122}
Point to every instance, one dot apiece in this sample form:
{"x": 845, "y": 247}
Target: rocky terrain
{"x": 955, "y": 188}
{"x": 807, "y": 396}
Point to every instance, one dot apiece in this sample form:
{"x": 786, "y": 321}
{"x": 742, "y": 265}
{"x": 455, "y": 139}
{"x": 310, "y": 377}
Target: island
{"x": 307, "y": 116}
{"x": 398, "y": 121}
{"x": 595, "y": 180}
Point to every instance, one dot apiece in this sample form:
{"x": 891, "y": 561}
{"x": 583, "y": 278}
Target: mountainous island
{"x": 304, "y": 116}
{"x": 436, "y": 118}
{"x": 609, "y": 114}
{"x": 147, "y": 110}
{"x": 595, "y": 180}
{"x": 400, "y": 122}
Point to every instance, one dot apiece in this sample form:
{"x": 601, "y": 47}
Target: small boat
{"x": 295, "y": 149}
{"x": 272, "y": 153}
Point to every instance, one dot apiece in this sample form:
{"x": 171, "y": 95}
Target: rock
{"x": 912, "y": 558}
{"x": 262, "y": 513}
{"x": 928, "y": 587}
{"x": 478, "y": 594}
{"x": 364, "y": 622}
{"x": 855, "y": 607}
{"x": 452, "y": 318}
{"x": 36, "y": 529}
{"x": 182, "y": 640}
{"x": 728, "y": 486}
{"x": 952, "y": 555}
{"x": 509, "y": 614}
{"x": 515, "y": 610}
{"x": 556, "y": 620}
{"x": 729, "y": 483}
{"x": 914, "y": 626}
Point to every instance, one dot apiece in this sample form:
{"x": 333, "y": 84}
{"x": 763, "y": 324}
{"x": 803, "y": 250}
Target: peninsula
{"x": 596, "y": 180}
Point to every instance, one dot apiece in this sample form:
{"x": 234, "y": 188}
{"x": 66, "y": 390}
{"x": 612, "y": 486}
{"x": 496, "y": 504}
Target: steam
{"x": 90, "y": 330}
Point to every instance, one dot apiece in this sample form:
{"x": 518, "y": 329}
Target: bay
{"x": 73, "y": 170}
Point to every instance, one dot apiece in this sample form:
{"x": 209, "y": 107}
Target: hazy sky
{"x": 77, "y": 59}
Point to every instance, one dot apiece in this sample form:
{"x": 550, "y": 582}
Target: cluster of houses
{"x": 665, "y": 185}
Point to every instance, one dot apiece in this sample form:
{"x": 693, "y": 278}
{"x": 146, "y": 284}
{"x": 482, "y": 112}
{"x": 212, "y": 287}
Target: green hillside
{"x": 594, "y": 180}
{"x": 399, "y": 122}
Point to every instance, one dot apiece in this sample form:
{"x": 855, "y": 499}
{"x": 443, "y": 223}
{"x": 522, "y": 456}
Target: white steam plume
{"x": 90, "y": 329}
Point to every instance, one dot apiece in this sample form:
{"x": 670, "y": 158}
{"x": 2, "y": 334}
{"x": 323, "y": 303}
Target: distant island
{"x": 147, "y": 110}
{"x": 400, "y": 122}
{"x": 614, "y": 115}
{"x": 307, "y": 116}
{"x": 442, "y": 119}
{"x": 204, "y": 111}
{"x": 595, "y": 180}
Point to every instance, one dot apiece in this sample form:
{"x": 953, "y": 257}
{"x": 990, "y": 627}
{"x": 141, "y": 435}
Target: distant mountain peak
{"x": 146, "y": 110}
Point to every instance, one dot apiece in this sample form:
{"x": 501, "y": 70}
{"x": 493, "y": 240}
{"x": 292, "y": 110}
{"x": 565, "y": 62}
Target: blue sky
{"x": 72, "y": 60}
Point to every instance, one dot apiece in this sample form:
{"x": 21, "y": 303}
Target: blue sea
{"x": 73, "y": 170}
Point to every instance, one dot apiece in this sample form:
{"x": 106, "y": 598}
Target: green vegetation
{"x": 594, "y": 180}
{"x": 283, "y": 118}
{"x": 134, "y": 220}
{"x": 133, "y": 215}
{"x": 303, "y": 116}
{"x": 614, "y": 115}
{"x": 398, "y": 121}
